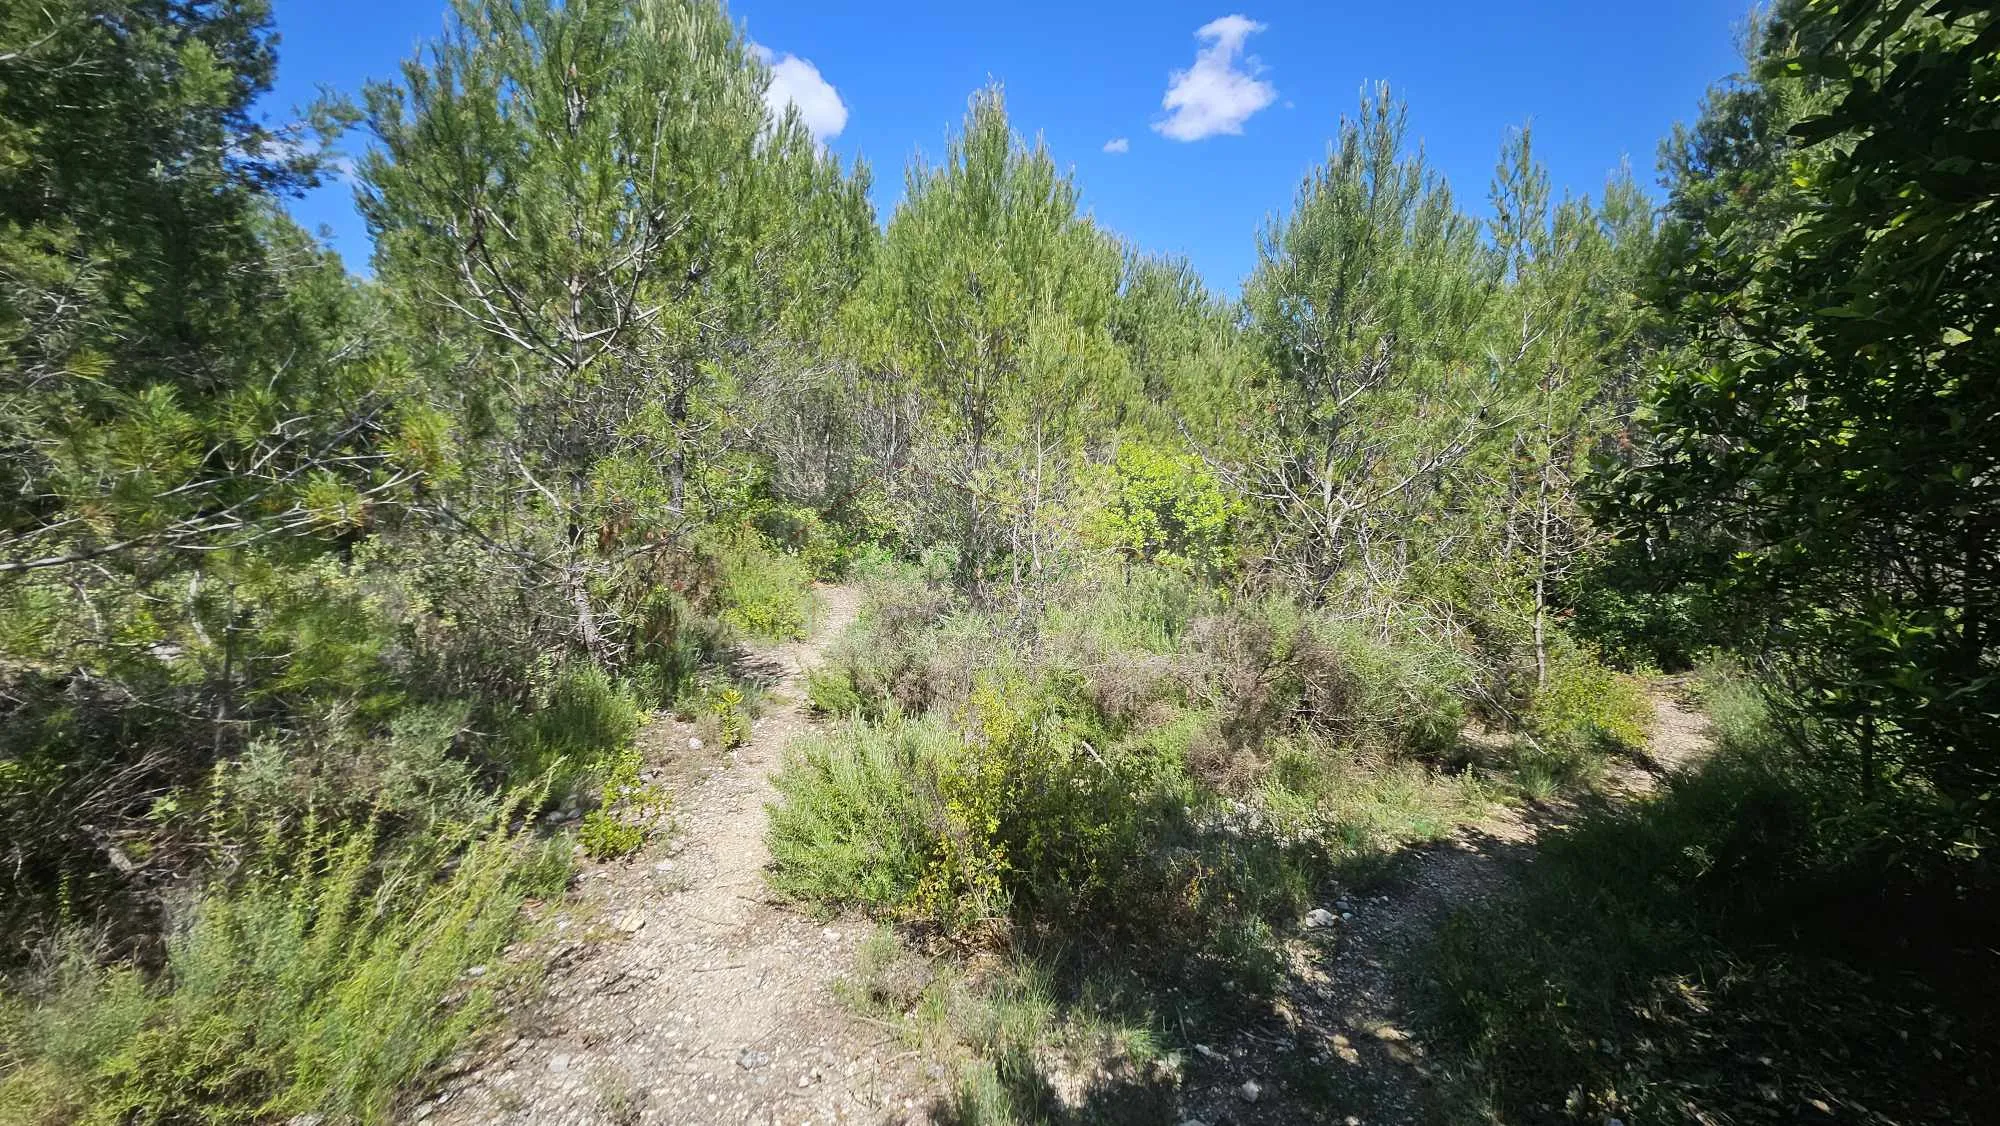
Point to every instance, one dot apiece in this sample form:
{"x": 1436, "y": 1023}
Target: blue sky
{"x": 1256, "y": 95}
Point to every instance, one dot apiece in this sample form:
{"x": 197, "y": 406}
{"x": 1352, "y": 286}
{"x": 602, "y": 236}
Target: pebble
{"x": 1319, "y": 917}
{"x": 751, "y": 1059}
{"x": 1249, "y": 1092}
{"x": 631, "y": 922}
{"x": 694, "y": 744}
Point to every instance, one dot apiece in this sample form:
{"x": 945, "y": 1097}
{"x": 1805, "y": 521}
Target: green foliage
{"x": 831, "y": 692}
{"x": 1823, "y": 451}
{"x": 629, "y": 808}
{"x": 327, "y": 981}
{"x": 765, "y": 594}
{"x": 1584, "y": 705}
{"x": 853, "y": 824}
{"x": 1721, "y": 952}
{"x": 1271, "y": 666}
{"x": 1168, "y": 509}
{"x": 605, "y": 836}
{"x": 990, "y": 303}
{"x": 721, "y": 707}
{"x": 584, "y": 718}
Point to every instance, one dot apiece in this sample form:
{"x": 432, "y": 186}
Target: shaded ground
{"x": 1337, "y": 1045}
{"x": 682, "y": 991}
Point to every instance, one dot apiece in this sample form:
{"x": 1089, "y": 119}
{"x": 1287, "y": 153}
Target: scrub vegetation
{"x": 333, "y": 610}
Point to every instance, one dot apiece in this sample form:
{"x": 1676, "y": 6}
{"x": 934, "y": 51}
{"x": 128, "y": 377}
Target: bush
{"x": 1169, "y": 510}
{"x": 629, "y": 808}
{"x": 1584, "y": 706}
{"x": 853, "y": 825}
{"x": 765, "y": 594}
{"x": 1025, "y": 814}
{"x": 1271, "y": 667}
{"x": 325, "y": 983}
{"x": 584, "y": 717}
{"x": 720, "y": 709}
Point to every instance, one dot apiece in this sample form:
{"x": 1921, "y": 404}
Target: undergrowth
{"x": 1745, "y": 947}
{"x": 325, "y": 980}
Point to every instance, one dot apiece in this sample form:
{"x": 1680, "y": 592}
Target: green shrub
{"x": 1169, "y": 510}
{"x": 629, "y": 808}
{"x": 1363, "y": 809}
{"x": 1738, "y": 715}
{"x": 853, "y": 823}
{"x": 924, "y": 823}
{"x": 585, "y": 716}
{"x": 605, "y": 836}
{"x": 722, "y": 709}
{"x": 1273, "y": 667}
{"x": 1584, "y": 706}
{"x": 765, "y": 594}
{"x": 831, "y": 691}
{"x": 325, "y": 983}
{"x": 1034, "y": 813}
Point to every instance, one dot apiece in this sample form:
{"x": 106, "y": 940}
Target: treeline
{"x": 333, "y": 605}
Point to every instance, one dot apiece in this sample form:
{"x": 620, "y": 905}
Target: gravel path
{"x": 682, "y": 991}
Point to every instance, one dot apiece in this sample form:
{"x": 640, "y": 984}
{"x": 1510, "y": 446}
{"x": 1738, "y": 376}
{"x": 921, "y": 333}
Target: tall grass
{"x": 328, "y": 980}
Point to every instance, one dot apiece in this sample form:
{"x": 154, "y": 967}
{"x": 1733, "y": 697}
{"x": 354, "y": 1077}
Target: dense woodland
{"x": 330, "y": 607}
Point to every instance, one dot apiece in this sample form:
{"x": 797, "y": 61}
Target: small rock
{"x": 1209, "y": 1053}
{"x": 559, "y": 1062}
{"x": 1614, "y": 1122}
{"x": 664, "y": 866}
{"x": 1193, "y": 1122}
{"x": 631, "y": 922}
{"x": 752, "y": 1059}
{"x": 1249, "y": 1092}
{"x": 1319, "y": 917}
{"x": 694, "y": 743}
{"x": 830, "y": 935}
{"x": 475, "y": 971}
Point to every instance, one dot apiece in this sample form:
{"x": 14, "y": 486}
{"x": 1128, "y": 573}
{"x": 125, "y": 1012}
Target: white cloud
{"x": 1118, "y": 144}
{"x": 796, "y": 82}
{"x": 1216, "y": 95}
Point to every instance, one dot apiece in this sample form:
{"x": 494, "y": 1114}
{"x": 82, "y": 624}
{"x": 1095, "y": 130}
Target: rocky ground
{"x": 682, "y": 990}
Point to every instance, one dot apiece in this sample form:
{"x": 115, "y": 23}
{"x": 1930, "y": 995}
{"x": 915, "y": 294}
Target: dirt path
{"x": 1339, "y": 1048}
{"x": 682, "y": 992}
